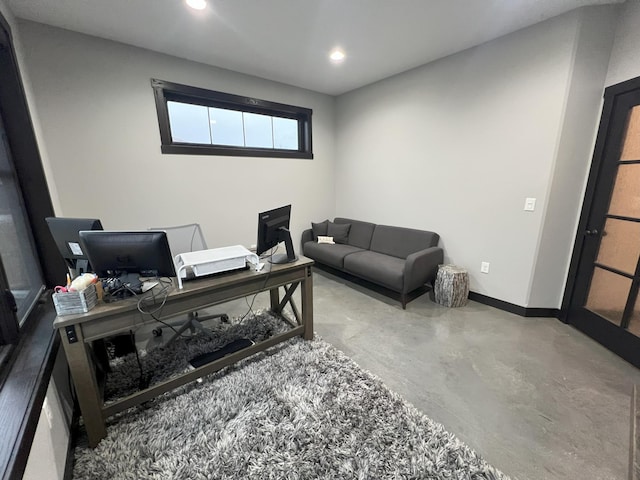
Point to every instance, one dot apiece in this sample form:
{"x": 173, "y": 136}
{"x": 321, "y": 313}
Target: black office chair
{"x": 184, "y": 239}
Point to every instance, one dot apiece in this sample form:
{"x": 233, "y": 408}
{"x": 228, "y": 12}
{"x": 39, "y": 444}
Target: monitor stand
{"x": 81, "y": 266}
{"x": 288, "y": 257}
{"x": 282, "y": 258}
{"x": 130, "y": 281}
{"x": 123, "y": 285}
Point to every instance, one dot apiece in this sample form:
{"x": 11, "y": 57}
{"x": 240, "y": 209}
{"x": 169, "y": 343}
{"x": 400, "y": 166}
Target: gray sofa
{"x": 399, "y": 259}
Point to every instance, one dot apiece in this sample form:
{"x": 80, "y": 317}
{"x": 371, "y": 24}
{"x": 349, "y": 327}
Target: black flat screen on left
{"x": 113, "y": 253}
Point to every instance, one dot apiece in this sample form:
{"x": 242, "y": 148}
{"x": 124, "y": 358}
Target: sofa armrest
{"x": 421, "y": 267}
{"x": 307, "y": 236}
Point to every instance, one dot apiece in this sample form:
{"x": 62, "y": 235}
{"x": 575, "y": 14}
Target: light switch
{"x": 530, "y": 204}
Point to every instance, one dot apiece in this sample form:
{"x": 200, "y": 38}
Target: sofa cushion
{"x": 360, "y": 232}
{"x": 376, "y": 267}
{"x": 339, "y": 232}
{"x": 319, "y": 229}
{"x": 332, "y": 255}
{"x": 401, "y": 242}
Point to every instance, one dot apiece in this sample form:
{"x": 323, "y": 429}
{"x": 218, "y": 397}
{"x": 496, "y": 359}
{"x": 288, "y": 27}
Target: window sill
{"x": 233, "y": 151}
{"x": 5, "y": 356}
{"x": 23, "y": 390}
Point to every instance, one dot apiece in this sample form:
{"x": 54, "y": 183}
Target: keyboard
{"x": 223, "y": 351}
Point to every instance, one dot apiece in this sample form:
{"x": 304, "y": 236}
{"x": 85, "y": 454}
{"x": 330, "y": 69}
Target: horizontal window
{"x": 204, "y": 122}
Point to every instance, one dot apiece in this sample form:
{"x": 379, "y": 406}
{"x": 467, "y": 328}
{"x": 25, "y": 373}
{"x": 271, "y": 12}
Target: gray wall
{"x": 624, "y": 63}
{"x": 99, "y": 123}
{"x": 457, "y": 145}
{"x": 454, "y": 146}
{"x": 583, "y": 103}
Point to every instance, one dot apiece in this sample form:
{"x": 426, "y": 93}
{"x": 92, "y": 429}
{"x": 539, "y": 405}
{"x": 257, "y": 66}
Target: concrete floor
{"x": 535, "y": 397}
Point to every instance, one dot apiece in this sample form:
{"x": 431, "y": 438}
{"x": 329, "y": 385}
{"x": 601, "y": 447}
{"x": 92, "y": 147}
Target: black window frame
{"x": 167, "y": 91}
{"x": 27, "y": 351}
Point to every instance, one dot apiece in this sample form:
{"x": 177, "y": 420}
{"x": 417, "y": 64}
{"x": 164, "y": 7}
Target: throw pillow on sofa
{"x": 339, "y": 231}
{"x": 319, "y": 229}
{"x": 329, "y": 240}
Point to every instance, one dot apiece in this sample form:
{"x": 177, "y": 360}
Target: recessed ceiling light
{"x": 337, "y": 55}
{"x": 197, "y": 4}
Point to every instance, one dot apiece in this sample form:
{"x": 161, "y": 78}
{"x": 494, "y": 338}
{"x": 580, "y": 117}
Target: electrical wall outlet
{"x": 484, "y": 267}
{"x": 530, "y": 204}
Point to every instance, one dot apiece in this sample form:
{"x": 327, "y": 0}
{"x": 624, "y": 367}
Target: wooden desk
{"x": 105, "y": 320}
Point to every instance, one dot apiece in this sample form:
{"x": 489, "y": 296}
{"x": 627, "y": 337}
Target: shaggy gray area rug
{"x": 301, "y": 410}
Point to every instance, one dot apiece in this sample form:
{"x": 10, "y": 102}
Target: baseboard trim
{"x": 634, "y": 467}
{"x": 512, "y": 308}
{"x": 476, "y": 297}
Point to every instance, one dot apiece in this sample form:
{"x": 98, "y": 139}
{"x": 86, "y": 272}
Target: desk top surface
{"x": 190, "y": 287}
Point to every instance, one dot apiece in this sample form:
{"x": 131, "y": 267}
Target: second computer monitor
{"x": 273, "y": 228}
{"x": 65, "y": 232}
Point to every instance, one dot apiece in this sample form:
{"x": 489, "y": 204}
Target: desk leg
{"x": 274, "y": 295}
{"x": 84, "y": 378}
{"x": 307, "y": 305}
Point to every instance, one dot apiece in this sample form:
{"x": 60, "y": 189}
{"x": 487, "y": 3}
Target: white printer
{"x": 215, "y": 260}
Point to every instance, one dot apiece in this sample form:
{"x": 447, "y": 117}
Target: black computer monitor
{"x": 64, "y": 231}
{"x": 128, "y": 255}
{"x": 273, "y": 228}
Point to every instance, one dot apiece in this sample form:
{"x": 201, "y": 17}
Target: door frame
{"x": 597, "y": 164}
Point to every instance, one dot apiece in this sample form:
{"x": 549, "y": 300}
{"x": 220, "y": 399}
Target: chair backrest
{"x": 184, "y": 238}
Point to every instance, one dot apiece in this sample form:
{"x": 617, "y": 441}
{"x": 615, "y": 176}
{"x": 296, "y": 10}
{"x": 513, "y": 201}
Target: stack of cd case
{"x": 68, "y": 303}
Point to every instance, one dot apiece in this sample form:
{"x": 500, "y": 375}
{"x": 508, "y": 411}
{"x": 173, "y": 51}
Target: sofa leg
{"x": 403, "y": 300}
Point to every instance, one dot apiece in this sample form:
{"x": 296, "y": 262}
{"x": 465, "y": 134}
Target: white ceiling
{"x": 288, "y": 40}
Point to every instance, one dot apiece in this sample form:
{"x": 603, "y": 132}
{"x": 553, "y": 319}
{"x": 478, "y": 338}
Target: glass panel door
{"x": 613, "y": 292}
{"x": 608, "y": 294}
